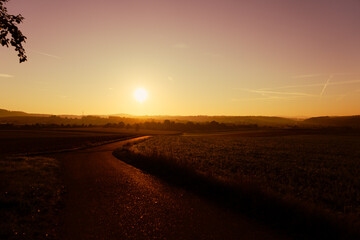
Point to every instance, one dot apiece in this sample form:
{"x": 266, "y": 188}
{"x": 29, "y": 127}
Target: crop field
{"x": 30, "y": 191}
{"x": 42, "y": 140}
{"x": 322, "y": 170}
{"x": 30, "y": 141}
{"x": 31, "y": 187}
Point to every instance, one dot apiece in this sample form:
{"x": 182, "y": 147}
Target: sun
{"x": 140, "y": 95}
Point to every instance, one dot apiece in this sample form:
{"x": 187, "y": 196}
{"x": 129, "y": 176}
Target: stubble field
{"x": 30, "y": 185}
{"x": 320, "y": 170}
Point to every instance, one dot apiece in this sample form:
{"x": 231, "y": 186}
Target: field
{"x": 45, "y": 140}
{"x": 30, "y": 185}
{"x": 29, "y": 197}
{"x": 319, "y": 170}
{"x": 32, "y": 141}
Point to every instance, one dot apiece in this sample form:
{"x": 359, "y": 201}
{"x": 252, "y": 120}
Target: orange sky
{"x": 280, "y": 57}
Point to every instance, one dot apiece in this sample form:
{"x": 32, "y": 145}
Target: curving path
{"x": 109, "y": 199}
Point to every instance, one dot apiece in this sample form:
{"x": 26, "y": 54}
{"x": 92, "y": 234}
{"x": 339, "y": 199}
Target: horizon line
{"x": 170, "y": 115}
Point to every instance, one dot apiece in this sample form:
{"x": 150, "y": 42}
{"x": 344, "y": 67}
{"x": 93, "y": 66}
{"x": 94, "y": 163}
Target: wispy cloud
{"x": 295, "y": 86}
{"x": 315, "y": 84}
{"x": 307, "y": 76}
{"x": 345, "y": 82}
{"x": 274, "y": 93}
{"x": 341, "y": 97}
{"x": 181, "y": 46}
{"x": 3, "y": 75}
{"x": 312, "y": 75}
{"x": 46, "y": 54}
{"x": 263, "y": 98}
{"x": 280, "y": 93}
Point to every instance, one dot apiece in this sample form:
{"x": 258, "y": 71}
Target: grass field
{"x": 312, "y": 174}
{"x": 30, "y": 187}
{"x": 322, "y": 170}
{"x": 31, "y": 141}
{"x": 29, "y": 197}
{"x": 45, "y": 140}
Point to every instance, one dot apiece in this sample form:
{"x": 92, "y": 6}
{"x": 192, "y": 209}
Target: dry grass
{"x": 29, "y": 197}
{"x": 24, "y": 142}
{"x": 48, "y": 140}
{"x": 303, "y": 183}
{"x": 30, "y": 187}
{"x": 317, "y": 169}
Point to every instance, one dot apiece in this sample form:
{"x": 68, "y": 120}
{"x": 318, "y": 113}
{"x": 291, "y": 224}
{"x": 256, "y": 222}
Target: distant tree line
{"x": 150, "y": 125}
{"x": 57, "y": 120}
{"x": 179, "y": 126}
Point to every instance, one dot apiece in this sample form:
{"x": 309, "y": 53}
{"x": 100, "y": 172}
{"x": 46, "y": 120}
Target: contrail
{"x": 326, "y": 84}
{"x": 46, "y": 54}
{"x": 276, "y": 94}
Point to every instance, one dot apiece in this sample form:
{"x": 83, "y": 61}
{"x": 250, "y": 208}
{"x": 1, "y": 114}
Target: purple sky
{"x": 258, "y": 57}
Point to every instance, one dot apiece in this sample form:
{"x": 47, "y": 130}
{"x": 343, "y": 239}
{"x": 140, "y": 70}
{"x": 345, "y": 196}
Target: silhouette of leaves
{"x": 10, "y": 33}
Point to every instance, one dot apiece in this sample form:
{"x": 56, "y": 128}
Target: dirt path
{"x": 109, "y": 199}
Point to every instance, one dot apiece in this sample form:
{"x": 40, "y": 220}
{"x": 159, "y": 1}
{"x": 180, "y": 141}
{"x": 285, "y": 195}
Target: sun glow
{"x": 140, "y": 95}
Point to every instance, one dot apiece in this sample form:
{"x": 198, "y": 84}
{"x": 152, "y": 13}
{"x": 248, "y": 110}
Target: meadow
{"x": 45, "y": 140}
{"x": 316, "y": 171}
{"x": 30, "y": 193}
{"x": 30, "y": 178}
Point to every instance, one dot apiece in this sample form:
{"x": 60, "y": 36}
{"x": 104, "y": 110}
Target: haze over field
{"x": 204, "y": 57}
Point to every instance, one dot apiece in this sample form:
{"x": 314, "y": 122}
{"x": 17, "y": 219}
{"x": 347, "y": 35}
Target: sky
{"x": 201, "y": 57}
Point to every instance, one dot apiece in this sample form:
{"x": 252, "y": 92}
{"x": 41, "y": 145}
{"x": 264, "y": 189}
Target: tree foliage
{"x": 10, "y": 33}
